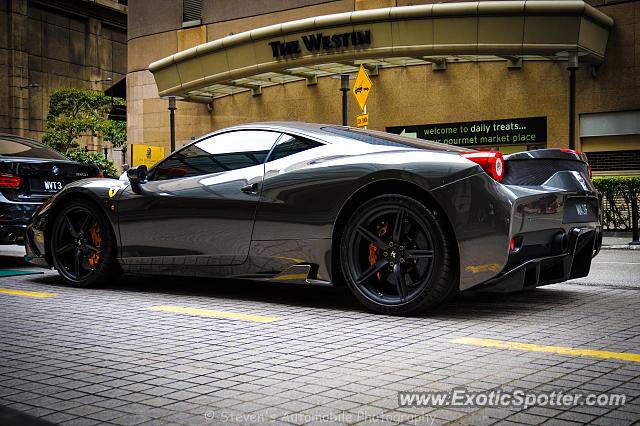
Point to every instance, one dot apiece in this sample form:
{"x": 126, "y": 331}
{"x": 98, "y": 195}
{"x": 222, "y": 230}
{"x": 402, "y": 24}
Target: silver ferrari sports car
{"x": 404, "y": 223}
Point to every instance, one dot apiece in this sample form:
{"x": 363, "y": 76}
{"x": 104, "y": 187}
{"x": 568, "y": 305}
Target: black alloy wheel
{"x": 82, "y": 246}
{"x": 396, "y": 257}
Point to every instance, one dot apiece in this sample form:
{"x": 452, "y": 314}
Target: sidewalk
{"x": 618, "y": 243}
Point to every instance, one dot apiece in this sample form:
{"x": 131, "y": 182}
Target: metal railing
{"x": 616, "y": 213}
{"x": 620, "y": 213}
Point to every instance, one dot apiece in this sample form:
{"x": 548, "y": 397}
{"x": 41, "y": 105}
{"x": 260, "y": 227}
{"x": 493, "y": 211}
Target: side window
{"x": 289, "y": 145}
{"x": 219, "y": 153}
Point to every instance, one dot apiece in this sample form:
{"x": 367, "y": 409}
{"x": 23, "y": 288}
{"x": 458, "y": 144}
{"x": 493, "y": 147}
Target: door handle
{"x": 250, "y": 189}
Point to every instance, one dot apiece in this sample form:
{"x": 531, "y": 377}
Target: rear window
{"x": 10, "y": 147}
{"x": 375, "y": 137}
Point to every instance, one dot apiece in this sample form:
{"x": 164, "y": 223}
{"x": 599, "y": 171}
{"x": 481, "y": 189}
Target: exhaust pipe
{"x": 560, "y": 242}
{"x": 597, "y": 243}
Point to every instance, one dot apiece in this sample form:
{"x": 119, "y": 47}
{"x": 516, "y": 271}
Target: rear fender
{"x": 479, "y": 209}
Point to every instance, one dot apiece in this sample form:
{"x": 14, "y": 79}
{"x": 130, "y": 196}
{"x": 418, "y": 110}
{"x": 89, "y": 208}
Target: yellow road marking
{"x": 560, "y": 350}
{"x": 214, "y": 314}
{"x": 26, "y": 293}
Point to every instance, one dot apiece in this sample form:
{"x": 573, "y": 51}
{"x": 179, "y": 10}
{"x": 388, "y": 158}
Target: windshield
{"x": 375, "y": 137}
{"x": 14, "y": 147}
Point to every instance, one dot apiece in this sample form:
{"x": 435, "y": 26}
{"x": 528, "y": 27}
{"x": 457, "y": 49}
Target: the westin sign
{"x": 318, "y": 42}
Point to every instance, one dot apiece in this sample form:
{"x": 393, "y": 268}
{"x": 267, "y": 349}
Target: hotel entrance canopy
{"x": 381, "y": 38}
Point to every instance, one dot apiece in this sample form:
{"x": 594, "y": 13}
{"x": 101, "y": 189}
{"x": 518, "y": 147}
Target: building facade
{"x": 52, "y": 44}
{"x": 488, "y": 97}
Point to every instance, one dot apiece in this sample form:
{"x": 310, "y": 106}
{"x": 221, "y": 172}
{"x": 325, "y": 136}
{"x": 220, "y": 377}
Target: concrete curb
{"x": 621, "y": 247}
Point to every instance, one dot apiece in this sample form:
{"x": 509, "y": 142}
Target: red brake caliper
{"x": 374, "y": 250}
{"x": 97, "y": 241}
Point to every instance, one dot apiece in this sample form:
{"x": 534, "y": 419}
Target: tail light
{"x": 491, "y": 161}
{"x": 515, "y": 244}
{"x": 590, "y": 171}
{"x": 570, "y": 151}
{"x": 9, "y": 181}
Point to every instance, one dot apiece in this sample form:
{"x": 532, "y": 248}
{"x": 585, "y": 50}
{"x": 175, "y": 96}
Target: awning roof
{"x": 380, "y": 38}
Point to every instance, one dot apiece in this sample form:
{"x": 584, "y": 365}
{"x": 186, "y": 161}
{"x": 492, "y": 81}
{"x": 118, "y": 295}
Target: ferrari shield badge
{"x": 113, "y": 191}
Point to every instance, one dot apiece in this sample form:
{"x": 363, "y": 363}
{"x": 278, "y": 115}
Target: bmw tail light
{"x": 9, "y": 181}
{"x": 491, "y": 161}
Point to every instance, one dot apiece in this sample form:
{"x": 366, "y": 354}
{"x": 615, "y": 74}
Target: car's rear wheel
{"x": 396, "y": 257}
{"x": 82, "y": 246}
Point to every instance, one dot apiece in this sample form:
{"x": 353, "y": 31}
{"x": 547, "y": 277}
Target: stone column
{"x": 18, "y": 67}
{"x": 92, "y": 49}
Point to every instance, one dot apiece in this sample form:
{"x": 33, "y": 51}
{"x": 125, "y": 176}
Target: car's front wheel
{"x": 396, "y": 257}
{"x": 82, "y": 246}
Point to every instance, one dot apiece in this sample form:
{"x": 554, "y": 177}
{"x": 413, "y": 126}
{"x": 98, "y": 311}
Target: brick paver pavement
{"x": 95, "y": 356}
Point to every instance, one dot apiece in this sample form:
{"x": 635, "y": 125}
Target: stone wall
{"x": 53, "y": 45}
{"x": 401, "y": 96}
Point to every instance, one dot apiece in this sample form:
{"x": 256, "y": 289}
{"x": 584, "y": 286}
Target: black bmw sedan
{"x": 31, "y": 172}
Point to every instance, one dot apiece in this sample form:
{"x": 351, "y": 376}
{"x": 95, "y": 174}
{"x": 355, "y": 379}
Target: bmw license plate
{"x": 46, "y": 185}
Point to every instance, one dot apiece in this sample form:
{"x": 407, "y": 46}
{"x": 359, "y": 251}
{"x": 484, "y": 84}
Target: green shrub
{"x": 74, "y": 113}
{"x": 616, "y": 193}
{"x": 617, "y": 184}
{"x": 97, "y": 159}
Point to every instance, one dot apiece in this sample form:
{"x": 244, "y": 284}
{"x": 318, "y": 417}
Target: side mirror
{"x": 137, "y": 176}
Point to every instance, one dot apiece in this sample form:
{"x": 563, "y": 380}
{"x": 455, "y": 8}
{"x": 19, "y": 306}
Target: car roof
{"x": 33, "y": 143}
{"x": 337, "y": 134}
{"x": 27, "y": 140}
{"x": 310, "y": 129}
{"x": 292, "y": 125}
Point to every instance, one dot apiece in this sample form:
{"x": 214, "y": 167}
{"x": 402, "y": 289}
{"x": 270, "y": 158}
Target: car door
{"x": 288, "y": 208}
{"x": 199, "y": 204}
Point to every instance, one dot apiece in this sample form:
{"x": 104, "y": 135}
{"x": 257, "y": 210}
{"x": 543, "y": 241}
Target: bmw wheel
{"x": 396, "y": 257}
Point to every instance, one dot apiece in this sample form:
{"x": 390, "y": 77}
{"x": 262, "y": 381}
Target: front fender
{"x": 102, "y": 192}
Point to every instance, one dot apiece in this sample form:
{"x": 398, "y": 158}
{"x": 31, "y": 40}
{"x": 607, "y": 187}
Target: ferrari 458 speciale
{"x": 404, "y": 223}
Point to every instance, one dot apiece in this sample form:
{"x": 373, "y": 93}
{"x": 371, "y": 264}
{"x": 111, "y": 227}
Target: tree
{"x": 77, "y": 112}
{"x": 115, "y": 132}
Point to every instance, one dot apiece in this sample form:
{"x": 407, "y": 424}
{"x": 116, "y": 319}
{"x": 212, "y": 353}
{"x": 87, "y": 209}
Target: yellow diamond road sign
{"x": 362, "y": 87}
